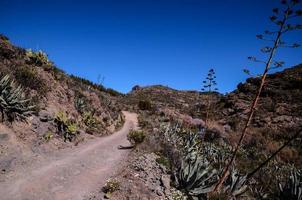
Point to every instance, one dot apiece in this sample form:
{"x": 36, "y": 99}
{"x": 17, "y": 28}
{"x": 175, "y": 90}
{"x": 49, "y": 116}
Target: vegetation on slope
{"x": 47, "y": 91}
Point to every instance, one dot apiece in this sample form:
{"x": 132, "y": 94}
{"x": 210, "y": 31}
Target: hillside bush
{"x": 136, "y": 137}
{"x": 92, "y": 123}
{"x": 66, "y": 127}
{"x": 13, "y": 105}
{"x": 113, "y": 92}
{"x": 144, "y": 105}
{"x": 38, "y": 58}
{"x": 28, "y": 77}
{"x": 81, "y": 102}
{"x": 47, "y": 136}
{"x": 87, "y": 84}
{"x": 56, "y": 72}
{"x": 111, "y": 186}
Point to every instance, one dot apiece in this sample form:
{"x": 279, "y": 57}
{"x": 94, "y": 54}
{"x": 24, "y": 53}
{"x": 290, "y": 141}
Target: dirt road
{"x": 72, "y": 173}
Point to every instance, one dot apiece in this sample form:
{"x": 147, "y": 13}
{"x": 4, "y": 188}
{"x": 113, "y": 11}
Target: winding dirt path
{"x": 73, "y": 173}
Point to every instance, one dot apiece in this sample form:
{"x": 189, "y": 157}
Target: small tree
{"x": 280, "y": 18}
{"x": 208, "y": 87}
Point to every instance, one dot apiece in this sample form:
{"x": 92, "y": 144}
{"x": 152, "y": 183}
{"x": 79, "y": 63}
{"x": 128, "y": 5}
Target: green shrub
{"x": 136, "y": 137}
{"x": 144, "y": 105}
{"x": 87, "y": 84}
{"x": 37, "y": 58}
{"x": 66, "y": 127}
{"x": 110, "y": 187}
{"x": 91, "y": 122}
{"x": 48, "y": 136}
{"x": 162, "y": 160}
{"x": 113, "y": 92}
{"x": 35, "y": 100}
{"x": 56, "y": 72}
{"x": 13, "y": 105}
{"x": 28, "y": 77}
{"x": 80, "y": 102}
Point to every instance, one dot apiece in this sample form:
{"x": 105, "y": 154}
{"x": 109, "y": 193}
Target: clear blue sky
{"x": 145, "y": 42}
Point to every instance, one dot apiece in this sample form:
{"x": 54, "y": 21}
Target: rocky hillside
{"x": 277, "y": 116}
{"x": 66, "y": 109}
{"x": 43, "y": 109}
{"x": 186, "y": 102}
{"x": 280, "y": 104}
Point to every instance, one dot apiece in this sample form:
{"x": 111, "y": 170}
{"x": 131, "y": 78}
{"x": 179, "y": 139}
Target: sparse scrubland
{"x": 47, "y": 109}
{"x": 243, "y": 145}
{"x": 246, "y": 144}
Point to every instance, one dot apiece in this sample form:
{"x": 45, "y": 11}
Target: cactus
{"x": 13, "y": 105}
{"x": 293, "y": 188}
{"x": 66, "y": 126}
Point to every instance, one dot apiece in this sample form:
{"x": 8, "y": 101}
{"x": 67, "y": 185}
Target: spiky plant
{"x": 195, "y": 177}
{"x": 215, "y": 154}
{"x": 66, "y": 127}
{"x": 89, "y": 120}
{"x": 37, "y": 57}
{"x": 184, "y": 141}
{"x": 13, "y": 105}
{"x": 81, "y": 103}
{"x": 259, "y": 193}
{"x": 235, "y": 184}
{"x": 293, "y": 188}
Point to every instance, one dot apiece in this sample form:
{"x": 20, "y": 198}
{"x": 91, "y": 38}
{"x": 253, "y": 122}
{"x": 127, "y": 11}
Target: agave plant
{"x": 80, "y": 104}
{"x": 201, "y": 164}
{"x": 186, "y": 141}
{"x": 215, "y": 154}
{"x": 13, "y": 105}
{"x": 195, "y": 177}
{"x": 259, "y": 193}
{"x": 235, "y": 184}
{"x": 293, "y": 188}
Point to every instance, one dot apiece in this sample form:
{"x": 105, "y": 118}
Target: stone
{"x": 4, "y": 136}
{"x": 45, "y": 116}
{"x": 165, "y": 180}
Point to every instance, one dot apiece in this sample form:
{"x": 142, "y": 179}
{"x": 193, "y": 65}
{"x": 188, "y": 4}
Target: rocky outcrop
{"x": 144, "y": 178}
